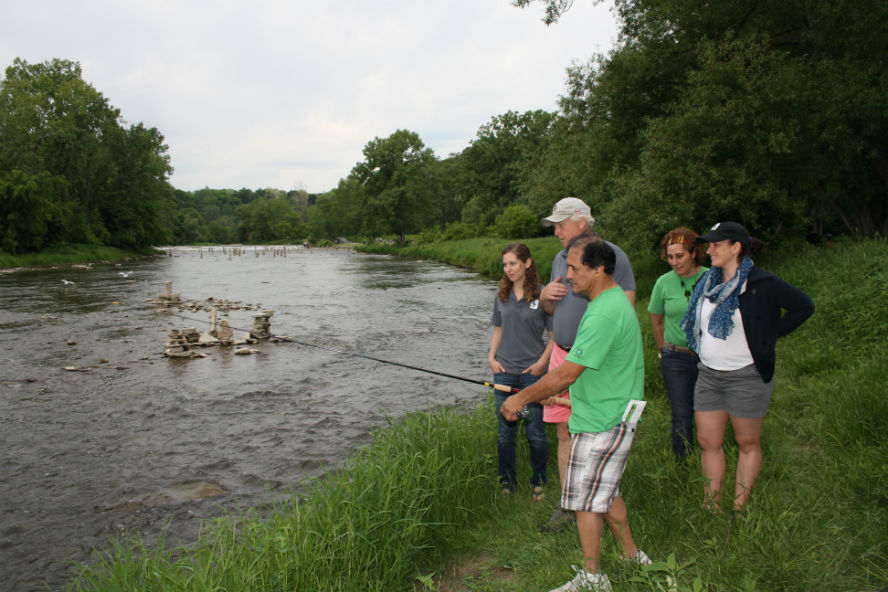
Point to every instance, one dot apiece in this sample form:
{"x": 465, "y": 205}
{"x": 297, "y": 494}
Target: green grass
{"x": 67, "y": 255}
{"x": 420, "y": 503}
{"x": 478, "y": 254}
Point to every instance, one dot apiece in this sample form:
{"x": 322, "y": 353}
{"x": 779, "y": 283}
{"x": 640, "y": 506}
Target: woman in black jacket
{"x": 734, "y": 318}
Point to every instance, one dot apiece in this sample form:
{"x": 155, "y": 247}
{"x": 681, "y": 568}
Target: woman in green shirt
{"x": 669, "y": 302}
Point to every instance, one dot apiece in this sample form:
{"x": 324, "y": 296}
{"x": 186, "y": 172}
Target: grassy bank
{"x": 482, "y": 255}
{"x": 478, "y": 254}
{"x": 68, "y": 255}
{"x": 418, "y": 509}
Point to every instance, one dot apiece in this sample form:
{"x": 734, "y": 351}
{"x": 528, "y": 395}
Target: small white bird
{"x": 68, "y": 283}
{"x": 124, "y": 274}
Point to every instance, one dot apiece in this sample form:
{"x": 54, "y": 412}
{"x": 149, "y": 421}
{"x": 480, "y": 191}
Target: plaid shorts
{"x": 595, "y": 467}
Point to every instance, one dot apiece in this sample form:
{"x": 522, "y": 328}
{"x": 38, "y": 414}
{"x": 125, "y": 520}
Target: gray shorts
{"x": 742, "y": 393}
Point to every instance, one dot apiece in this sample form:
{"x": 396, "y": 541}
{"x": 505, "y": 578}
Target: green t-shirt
{"x": 608, "y": 344}
{"x": 670, "y": 298}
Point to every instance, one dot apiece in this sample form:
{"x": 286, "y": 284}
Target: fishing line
{"x": 498, "y": 387}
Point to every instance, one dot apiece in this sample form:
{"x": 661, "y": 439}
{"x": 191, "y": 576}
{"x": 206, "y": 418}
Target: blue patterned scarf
{"x": 725, "y": 296}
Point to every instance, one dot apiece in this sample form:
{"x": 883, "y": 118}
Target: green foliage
{"x": 554, "y": 8}
{"x": 494, "y": 162}
{"x": 26, "y": 210}
{"x": 429, "y": 235}
{"x": 482, "y": 255}
{"x": 271, "y": 220}
{"x": 69, "y": 171}
{"x": 458, "y": 231}
{"x": 394, "y": 176}
{"x": 745, "y": 110}
{"x": 771, "y": 114}
{"x": 71, "y": 253}
{"x": 517, "y": 222}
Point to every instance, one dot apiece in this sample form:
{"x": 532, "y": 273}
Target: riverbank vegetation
{"x": 769, "y": 114}
{"x": 419, "y": 509}
{"x": 71, "y": 254}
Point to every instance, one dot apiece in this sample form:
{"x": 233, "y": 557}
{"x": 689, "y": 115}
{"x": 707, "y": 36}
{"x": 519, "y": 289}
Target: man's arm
{"x": 630, "y": 294}
{"x": 555, "y": 382}
{"x": 551, "y": 293}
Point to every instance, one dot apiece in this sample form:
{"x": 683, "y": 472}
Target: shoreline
{"x": 77, "y": 262}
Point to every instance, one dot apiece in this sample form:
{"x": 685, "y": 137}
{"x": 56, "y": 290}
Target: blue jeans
{"x": 679, "y": 376}
{"x": 508, "y": 431}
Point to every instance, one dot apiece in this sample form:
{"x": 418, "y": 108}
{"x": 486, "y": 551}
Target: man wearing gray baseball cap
{"x": 570, "y": 218}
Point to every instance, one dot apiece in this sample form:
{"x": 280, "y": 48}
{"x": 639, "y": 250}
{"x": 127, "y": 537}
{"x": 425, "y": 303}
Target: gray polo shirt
{"x": 569, "y": 311}
{"x": 523, "y": 325}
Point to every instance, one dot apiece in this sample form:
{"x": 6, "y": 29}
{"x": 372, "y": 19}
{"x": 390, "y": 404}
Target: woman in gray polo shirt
{"x": 518, "y": 357}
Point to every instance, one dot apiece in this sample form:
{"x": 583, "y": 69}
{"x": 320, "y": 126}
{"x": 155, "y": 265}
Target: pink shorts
{"x": 557, "y": 413}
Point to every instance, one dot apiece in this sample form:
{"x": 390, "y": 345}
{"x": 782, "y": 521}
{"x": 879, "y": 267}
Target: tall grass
{"x": 69, "y": 254}
{"x": 420, "y": 504}
{"x": 363, "y": 527}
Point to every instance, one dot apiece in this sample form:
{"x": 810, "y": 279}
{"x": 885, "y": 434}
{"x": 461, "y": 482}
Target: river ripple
{"x": 130, "y": 439}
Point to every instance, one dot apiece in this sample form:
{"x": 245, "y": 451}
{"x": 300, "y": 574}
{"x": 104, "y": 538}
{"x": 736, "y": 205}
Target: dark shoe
{"x": 559, "y": 520}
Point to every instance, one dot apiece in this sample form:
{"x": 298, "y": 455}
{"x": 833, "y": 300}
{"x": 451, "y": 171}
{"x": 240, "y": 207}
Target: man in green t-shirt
{"x": 605, "y": 372}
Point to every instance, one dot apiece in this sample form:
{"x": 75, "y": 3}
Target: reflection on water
{"x": 127, "y": 439}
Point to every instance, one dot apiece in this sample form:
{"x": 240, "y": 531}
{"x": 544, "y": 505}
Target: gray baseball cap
{"x": 567, "y": 207}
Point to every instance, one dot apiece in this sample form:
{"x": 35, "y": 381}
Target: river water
{"x": 103, "y": 438}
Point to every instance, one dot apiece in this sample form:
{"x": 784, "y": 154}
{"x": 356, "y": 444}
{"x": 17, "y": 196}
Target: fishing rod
{"x": 499, "y": 387}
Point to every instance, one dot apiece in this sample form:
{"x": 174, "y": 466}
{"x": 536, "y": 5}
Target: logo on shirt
{"x": 535, "y": 304}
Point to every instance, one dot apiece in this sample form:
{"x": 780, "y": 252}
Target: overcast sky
{"x": 286, "y": 93}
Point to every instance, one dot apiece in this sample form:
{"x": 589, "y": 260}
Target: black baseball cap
{"x": 726, "y": 231}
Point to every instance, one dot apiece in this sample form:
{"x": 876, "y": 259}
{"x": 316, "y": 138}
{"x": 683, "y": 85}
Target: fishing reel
{"x": 524, "y": 413}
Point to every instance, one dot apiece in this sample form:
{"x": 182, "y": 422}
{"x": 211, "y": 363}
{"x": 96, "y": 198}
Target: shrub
{"x": 516, "y": 222}
{"x": 428, "y": 235}
{"x": 458, "y": 231}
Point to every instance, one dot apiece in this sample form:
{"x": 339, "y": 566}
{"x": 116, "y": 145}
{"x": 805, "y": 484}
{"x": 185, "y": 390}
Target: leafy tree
{"x": 95, "y": 180}
{"x": 272, "y": 220}
{"x": 446, "y": 181}
{"x": 57, "y": 122}
{"x": 770, "y": 113}
{"x": 458, "y": 231}
{"x": 494, "y": 161}
{"x": 395, "y": 176}
{"x": 554, "y": 8}
{"x": 517, "y": 222}
{"x": 338, "y": 212}
{"x": 135, "y": 189}
{"x": 26, "y": 210}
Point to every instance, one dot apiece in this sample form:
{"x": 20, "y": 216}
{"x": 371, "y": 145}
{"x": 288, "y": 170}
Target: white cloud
{"x": 286, "y": 94}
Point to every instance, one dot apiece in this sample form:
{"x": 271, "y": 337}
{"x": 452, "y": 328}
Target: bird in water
{"x": 124, "y": 274}
{"x": 67, "y": 282}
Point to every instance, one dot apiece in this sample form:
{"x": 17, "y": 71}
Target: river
{"x": 102, "y": 437}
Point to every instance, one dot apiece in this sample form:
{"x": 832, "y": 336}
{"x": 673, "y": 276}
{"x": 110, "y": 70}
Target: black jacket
{"x": 761, "y": 305}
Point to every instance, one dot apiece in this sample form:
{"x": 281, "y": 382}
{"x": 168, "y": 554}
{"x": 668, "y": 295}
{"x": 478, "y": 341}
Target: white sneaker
{"x": 592, "y": 582}
{"x": 641, "y": 558}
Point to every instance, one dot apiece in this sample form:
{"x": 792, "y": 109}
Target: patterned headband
{"x": 678, "y": 240}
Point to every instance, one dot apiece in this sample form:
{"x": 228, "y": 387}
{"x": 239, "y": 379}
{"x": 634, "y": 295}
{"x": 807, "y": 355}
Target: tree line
{"x": 772, "y": 114}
